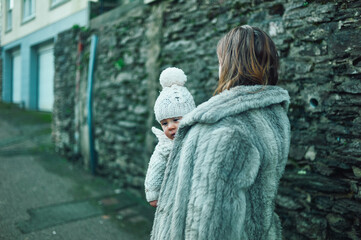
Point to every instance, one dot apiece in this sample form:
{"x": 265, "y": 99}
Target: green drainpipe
{"x": 92, "y": 153}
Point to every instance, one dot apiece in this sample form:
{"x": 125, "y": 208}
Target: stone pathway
{"x": 43, "y": 196}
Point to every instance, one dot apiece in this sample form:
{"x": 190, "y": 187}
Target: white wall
{"x": 44, "y": 16}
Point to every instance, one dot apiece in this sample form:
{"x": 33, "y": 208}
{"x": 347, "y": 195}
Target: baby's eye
{"x": 175, "y": 119}
{"x": 164, "y": 124}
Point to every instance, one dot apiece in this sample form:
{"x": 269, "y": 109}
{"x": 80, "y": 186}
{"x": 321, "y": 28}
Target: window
{"x": 28, "y": 10}
{"x": 9, "y": 14}
{"x": 55, "y": 3}
{"x": 149, "y": 1}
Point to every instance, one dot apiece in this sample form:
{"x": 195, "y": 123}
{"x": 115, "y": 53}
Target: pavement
{"x": 44, "y": 196}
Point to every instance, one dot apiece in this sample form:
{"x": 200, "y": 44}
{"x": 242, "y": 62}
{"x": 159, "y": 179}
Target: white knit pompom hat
{"x": 174, "y": 100}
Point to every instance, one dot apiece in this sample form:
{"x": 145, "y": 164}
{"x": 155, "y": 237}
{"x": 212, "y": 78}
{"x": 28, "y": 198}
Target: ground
{"x": 44, "y": 196}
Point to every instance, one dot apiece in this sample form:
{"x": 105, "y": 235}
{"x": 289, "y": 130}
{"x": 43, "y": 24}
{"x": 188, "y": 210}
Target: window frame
{"x": 56, "y": 3}
{"x": 9, "y": 15}
{"x": 31, "y": 16}
{"x": 149, "y": 1}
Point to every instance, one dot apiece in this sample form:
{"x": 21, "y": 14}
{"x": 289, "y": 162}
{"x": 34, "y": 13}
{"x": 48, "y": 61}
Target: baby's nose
{"x": 171, "y": 126}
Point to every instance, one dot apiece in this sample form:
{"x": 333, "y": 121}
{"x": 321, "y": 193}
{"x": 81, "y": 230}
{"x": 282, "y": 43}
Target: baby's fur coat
{"x": 222, "y": 176}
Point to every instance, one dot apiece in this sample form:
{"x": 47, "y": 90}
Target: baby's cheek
{"x": 163, "y": 128}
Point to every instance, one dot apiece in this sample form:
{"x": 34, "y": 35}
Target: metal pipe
{"x": 92, "y": 154}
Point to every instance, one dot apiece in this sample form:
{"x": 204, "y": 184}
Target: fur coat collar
{"x": 235, "y": 101}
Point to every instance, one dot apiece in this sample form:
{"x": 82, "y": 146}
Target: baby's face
{"x": 170, "y": 126}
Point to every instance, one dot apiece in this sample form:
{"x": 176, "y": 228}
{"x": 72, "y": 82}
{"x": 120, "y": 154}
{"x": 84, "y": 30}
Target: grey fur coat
{"x": 223, "y": 172}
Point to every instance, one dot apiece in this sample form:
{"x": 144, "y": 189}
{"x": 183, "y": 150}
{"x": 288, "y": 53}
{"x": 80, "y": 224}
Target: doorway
{"x": 16, "y": 77}
{"x": 46, "y": 78}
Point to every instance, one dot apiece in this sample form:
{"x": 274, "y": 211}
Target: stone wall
{"x": 120, "y": 101}
{"x": 319, "y": 47}
{"x": 65, "y": 88}
{"x": 320, "y": 193}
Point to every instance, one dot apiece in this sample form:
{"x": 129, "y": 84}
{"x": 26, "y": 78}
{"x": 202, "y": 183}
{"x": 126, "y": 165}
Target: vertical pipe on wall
{"x": 93, "y": 47}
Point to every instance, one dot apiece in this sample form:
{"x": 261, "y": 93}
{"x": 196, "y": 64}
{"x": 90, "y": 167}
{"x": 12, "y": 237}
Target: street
{"x": 44, "y": 196}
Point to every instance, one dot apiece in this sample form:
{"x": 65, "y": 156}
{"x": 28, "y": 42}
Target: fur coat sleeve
{"x": 155, "y": 172}
{"x": 220, "y": 175}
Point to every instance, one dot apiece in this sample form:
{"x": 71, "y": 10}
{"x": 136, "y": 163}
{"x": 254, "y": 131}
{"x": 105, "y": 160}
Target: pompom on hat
{"x": 174, "y": 100}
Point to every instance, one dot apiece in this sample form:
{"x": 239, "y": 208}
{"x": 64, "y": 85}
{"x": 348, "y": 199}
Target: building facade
{"x": 29, "y": 30}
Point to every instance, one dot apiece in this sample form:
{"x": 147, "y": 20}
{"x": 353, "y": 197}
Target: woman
{"x": 230, "y": 152}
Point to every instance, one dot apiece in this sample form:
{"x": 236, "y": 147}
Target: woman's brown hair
{"x": 247, "y": 56}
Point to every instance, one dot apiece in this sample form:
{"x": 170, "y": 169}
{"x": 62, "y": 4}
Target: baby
{"x": 173, "y": 102}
